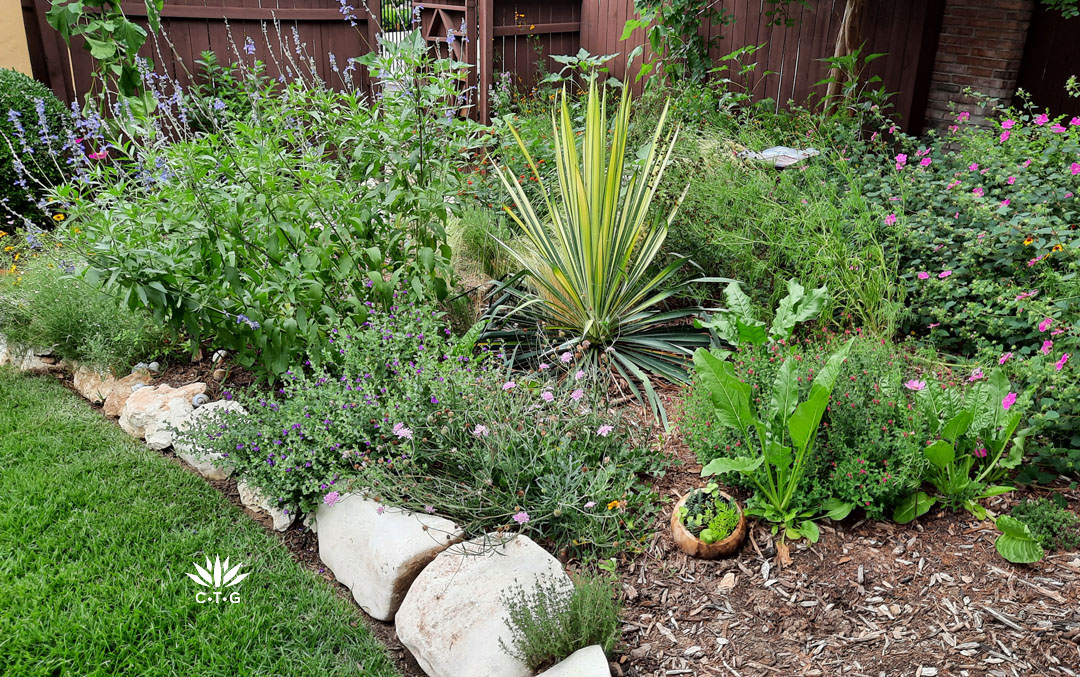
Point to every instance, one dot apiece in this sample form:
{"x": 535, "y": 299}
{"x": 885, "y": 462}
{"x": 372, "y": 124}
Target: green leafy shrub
{"x": 34, "y": 130}
{"x": 284, "y": 222}
{"x": 47, "y": 306}
{"x": 549, "y": 622}
{"x": 865, "y": 456}
{"x": 1050, "y": 521}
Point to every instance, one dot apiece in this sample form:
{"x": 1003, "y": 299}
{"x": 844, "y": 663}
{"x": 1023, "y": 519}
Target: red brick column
{"x": 980, "y": 46}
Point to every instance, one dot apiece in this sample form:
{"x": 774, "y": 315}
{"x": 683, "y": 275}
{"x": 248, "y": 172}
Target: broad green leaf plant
{"x": 588, "y": 252}
{"x": 783, "y": 432}
{"x": 969, "y": 437}
{"x": 738, "y": 324}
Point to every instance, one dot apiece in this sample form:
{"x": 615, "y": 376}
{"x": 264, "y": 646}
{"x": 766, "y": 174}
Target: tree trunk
{"x": 847, "y": 41}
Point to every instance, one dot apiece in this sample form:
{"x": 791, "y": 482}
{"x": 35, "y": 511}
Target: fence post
{"x": 485, "y": 58}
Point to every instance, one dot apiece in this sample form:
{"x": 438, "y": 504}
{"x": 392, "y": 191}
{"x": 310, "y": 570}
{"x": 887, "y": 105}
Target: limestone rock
{"x": 256, "y": 500}
{"x": 155, "y": 413}
{"x": 587, "y": 662}
{"x": 118, "y": 394}
{"x": 377, "y": 552}
{"x": 453, "y": 615}
{"x": 203, "y": 460}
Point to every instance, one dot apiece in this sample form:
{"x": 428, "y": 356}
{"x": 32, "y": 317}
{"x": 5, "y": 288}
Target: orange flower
{"x": 1057, "y": 248}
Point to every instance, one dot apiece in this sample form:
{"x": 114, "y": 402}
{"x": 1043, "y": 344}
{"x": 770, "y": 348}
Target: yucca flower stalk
{"x": 587, "y": 256}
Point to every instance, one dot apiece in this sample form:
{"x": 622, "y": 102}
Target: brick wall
{"x": 980, "y": 46}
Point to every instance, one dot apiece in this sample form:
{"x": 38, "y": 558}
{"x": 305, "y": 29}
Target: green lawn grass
{"x": 96, "y": 534}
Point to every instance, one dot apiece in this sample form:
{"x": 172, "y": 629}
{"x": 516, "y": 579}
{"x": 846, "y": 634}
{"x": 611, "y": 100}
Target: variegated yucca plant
{"x": 588, "y": 280}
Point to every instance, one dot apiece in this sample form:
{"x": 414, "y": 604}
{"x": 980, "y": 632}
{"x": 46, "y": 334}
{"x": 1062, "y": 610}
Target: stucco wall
{"x": 13, "y": 51}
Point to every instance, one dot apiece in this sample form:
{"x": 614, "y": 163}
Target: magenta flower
{"x": 509, "y": 385}
{"x": 1004, "y": 358}
{"x": 1008, "y": 124}
{"x": 480, "y": 430}
{"x": 973, "y": 167}
{"x": 1011, "y": 180}
{"x": 577, "y": 394}
{"x": 1027, "y": 163}
{"x": 1061, "y": 363}
{"x": 331, "y": 498}
{"x": 547, "y": 396}
{"x": 521, "y": 517}
{"x": 925, "y": 162}
{"x": 915, "y": 385}
{"x": 1046, "y": 346}
{"x": 977, "y": 192}
{"x": 963, "y": 117}
{"x": 100, "y": 155}
{"x": 980, "y": 452}
{"x": 1058, "y": 129}
{"x": 923, "y": 275}
{"x": 1005, "y": 202}
{"x": 1004, "y": 136}
{"x": 604, "y": 430}
{"x": 402, "y": 432}
{"x": 944, "y": 274}
{"x": 1008, "y": 401}
{"x": 1045, "y": 324}
{"x": 1075, "y": 122}
{"x": 1042, "y": 119}
{"x": 976, "y": 375}
{"x": 1075, "y": 168}
{"x": 890, "y": 219}
{"x": 953, "y": 184}
{"x": 901, "y": 160}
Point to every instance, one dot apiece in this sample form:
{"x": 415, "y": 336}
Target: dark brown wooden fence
{"x": 518, "y": 36}
{"x": 1050, "y": 59}
{"x": 907, "y": 31}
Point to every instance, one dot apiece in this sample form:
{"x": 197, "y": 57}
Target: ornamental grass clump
{"x": 588, "y": 256}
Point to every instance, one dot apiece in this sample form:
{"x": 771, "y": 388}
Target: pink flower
{"x": 100, "y": 155}
{"x": 1011, "y": 180}
{"x": 480, "y": 430}
{"x": 977, "y": 192}
{"x": 963, "y": 117}
{"x": 976, "y": 375}
{"x": 577, "y": 394}
{"x": 901, "y": 160}
{"x": 934, "y": 324}
{"x": 1045, "y": 324}
{"x": 973, "y": 167}
{"x": 579, "y": 375}
{"x": 604, "y": 430}
{"x": 509, "y": 385}
{"x": 521, "y": 517}
{"x": 1008, "y": 124}
{"x": 980, "y": 452}
{"x": 944, "y": 274}
{"x": 925, "y": 162}
{"x": 544, "y": 366}
{"x": 1005, "y": 202}
{"x": 1004, "y": 136}
{"x": 1027, "y": 163}
{"x": 1075, "y": 122}
{"x": 1058, "y": 129}
{"x": 1042, "y": 119}
{"x": 402, "y": 432}
{"x": 1008, "y": 401}
{"x": 1061, "y": 363}
{"x": 590, "y": 504}
{"x": 1004, "y": 358}
{"x": 547, "y": 396}
{"x": 1027, "y": 294}
{"x": 380, "y": 509}
{"x": 923, "y": 275}
{"x": 890, "y": 219}
{"x": 1075, "y": 168}
{"x": 565, "y": 358}
{"x": 915, "y": 385}
{"x": 331, "y": 498}
{"x": 1046, "y": 346}
{"x": 953, "y": 129}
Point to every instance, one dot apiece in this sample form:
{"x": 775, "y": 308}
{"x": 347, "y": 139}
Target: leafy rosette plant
{"x": 969, "y": 435}
{"x": 738, "y": 324}
{"x": 784, "y": 432}
{"x": 588, "y": 257}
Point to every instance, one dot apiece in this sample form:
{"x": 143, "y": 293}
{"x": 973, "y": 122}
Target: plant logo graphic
{"x": 217, "y": 576}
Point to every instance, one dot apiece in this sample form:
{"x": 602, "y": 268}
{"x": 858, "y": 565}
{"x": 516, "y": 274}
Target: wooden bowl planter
{"x": 695, "y": 547}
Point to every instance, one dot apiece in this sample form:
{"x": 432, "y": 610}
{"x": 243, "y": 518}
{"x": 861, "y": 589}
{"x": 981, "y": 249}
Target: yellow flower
{"x": 1029, "y": 240}
{"x": 1057, "y": 248}
{"x": 77, "y": 231}
{"x": 612, "y": 505}
{"x": 58, "y": 217}
{"x": 16, "y": 257}
{"x": 2, "y": 233}
{"x": 532, "y": 27}
{"x": 8, "y": 248}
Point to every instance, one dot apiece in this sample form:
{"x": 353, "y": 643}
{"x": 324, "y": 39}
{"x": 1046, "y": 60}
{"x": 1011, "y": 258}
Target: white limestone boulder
{"x": 120, "y": 391}
{"x": 453, "y": 617}
{"x": 377, "y": 551}
{"x": 155, "y": 413}
{"x": 250, "y": 496}
{"x": 587, "y": 662}
{"x": 207, "y": 463}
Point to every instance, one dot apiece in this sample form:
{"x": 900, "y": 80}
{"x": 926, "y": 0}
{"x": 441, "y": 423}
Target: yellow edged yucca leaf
{"x": 591, "y": 252}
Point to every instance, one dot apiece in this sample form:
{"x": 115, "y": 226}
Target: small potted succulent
{"x": 708, "y": 523}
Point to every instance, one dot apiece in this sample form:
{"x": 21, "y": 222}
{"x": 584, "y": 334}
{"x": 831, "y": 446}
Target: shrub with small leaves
{"x": 1050, "y": 522}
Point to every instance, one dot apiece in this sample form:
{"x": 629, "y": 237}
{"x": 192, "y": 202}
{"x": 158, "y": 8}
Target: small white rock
{"x": 587, "y": 662}
{"x": 256, "y": 500}
{"x": 155, "y": 413}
